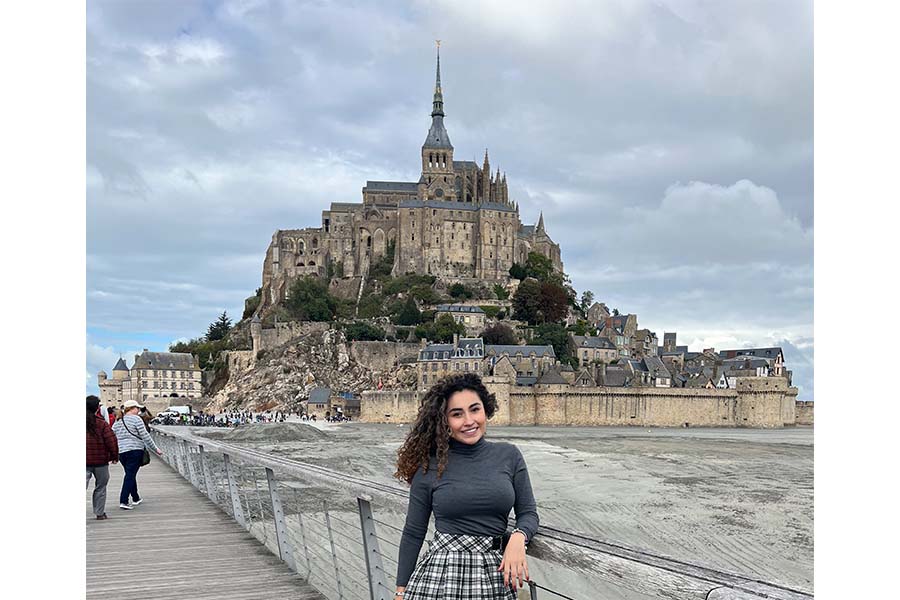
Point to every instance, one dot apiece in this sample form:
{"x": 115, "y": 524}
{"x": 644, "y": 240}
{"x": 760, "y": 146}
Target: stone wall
{"x": 389, "y": 406}
{"x": 804, "y": 413}
{"x": 757, "y": 403}
{"x": 282, "y": 333}
{"x": 382, "y": 356}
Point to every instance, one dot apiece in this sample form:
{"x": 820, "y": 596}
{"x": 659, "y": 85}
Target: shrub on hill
{"x": 359, "y": 330}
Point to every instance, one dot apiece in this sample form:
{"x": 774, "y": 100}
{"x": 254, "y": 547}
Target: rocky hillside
{"x": 281, "y": 379}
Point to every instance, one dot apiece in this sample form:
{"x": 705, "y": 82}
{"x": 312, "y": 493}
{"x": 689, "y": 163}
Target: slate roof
{"x": 770, "y": 353}
{"x": 467, "y": 164}
{"x": 342, "y": 206}
{"x": 436, "y": 352}
{"x": 589, "y": 341}
{"x": 120, "y": 365}
{"x": 655, "y": 366}
{"x": 526, "y": 230}
{"x": 458, "y": 308}
{"x": 525, "y": 380}
{"x": 512, "y": 350}
{"x": 416, "y": 203}
{"x": 319, "y": 395}
{"x": 744, "y": 362}
{"x": 470, "y": 344}
{"x": 552, "y": 377}
{"x": 392, "y": 186}
{"x": 165, "y": 360}
{"x": 615, "y": 377}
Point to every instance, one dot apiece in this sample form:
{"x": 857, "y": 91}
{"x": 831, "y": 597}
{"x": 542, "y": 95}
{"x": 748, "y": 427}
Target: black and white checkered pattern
{"x": 458, "y": 567}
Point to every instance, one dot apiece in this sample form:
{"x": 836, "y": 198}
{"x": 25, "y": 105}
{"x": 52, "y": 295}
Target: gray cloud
{"x": 669, "y": 145}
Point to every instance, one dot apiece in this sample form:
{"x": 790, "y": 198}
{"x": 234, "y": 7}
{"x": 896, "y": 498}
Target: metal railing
{"x": 322, "y": 524}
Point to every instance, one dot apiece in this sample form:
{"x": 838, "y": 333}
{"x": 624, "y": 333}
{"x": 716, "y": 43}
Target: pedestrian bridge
{"x": 228, "y": 522}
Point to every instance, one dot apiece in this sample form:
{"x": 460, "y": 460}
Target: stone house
{"x": 319, "y": 403}
{"x": 472, "y": 355}
{"x": 644, "y": 343}
{"x": 471, "y": 317}
{"x": 153, "y": 375}
{"x": 597, "y": 315}
{"x": 620, "y": 330}
{"x": 592, "y": 349}
{"x": 774, "y": 355}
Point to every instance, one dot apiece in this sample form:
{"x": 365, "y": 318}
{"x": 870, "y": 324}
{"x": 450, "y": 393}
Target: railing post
{"x": 210, "y": 484}
{"x": 533, "y": 590}
{"x": 302, "y": 535}
{"x": 235, "y": 493}
{"x": 284, "y": 546}
{"x": 334, "y": 558}
{"x": 179, "y": 457}
{"x": 374, "y": 565}
{"x": 190, "y": 464}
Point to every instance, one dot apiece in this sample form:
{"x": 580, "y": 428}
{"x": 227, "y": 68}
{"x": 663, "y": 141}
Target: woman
{"x": 102, "y": 449}
{"x": 133, "y": 437}
{"x": 470, "y": 485}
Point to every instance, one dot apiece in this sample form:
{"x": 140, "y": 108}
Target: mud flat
{"x": 736, "y": 500}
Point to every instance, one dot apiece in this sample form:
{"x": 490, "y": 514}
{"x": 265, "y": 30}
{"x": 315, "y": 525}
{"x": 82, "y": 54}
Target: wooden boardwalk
{"x": 178, "y": 544}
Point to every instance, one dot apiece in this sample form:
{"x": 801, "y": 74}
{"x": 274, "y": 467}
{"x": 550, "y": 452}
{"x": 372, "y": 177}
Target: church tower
{"x": 437, "y": 181}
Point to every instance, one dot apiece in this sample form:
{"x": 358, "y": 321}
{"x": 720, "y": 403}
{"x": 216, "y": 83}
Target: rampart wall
{"x": 285, "y": 332}
{"x": 382, "y": 356}
{"x": 756, "y": 403}
{"x": 805, "y": 412}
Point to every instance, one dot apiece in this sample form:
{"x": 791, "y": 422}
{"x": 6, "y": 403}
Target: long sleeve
{"x": 145, "y": 435}
{"x": 526, "y": 508}
{"x": 417, "y": 515}
{"x": 109, "y": 440}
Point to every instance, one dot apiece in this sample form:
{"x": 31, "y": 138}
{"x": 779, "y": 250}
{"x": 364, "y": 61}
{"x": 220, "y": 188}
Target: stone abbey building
{"x": 456, "y": 222}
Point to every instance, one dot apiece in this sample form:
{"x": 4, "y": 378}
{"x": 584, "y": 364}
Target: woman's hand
{"x": 400, "y": 591}
{"x": 513, "y": 565}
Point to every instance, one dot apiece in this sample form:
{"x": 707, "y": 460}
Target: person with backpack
{"x": 102, "y": 448}
{"x": 133, "y": 439}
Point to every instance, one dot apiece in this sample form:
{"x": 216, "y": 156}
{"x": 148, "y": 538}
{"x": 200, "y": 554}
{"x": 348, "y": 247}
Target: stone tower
{"x": 438, "y": 178}
{"x": 256, "y": 333}
{"x": 120, "y": 371}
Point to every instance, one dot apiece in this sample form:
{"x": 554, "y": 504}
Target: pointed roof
{"x": 437, "y": 134}
{"x": 540, "y": 225}
{"x": 120, "y": 366}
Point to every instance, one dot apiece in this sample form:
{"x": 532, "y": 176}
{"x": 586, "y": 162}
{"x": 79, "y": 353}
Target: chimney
{"x": 423, "y": 342}
{"x": 136, "y": 357}
{"x": 455, "y": 340}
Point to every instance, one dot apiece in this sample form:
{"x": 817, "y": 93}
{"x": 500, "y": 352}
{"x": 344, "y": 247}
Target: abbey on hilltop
{"x": 457, "y": 222}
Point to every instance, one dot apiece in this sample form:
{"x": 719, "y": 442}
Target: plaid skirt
{"x": 458, "y": 567}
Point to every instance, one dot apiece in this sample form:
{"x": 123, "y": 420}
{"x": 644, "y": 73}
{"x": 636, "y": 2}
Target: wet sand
{"x": 739, "y": 500}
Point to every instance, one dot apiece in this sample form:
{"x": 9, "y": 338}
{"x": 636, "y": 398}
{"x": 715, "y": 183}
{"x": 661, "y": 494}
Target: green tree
{"x": 579, "y": 328}
{"x": 409, "y": 313}
{"x": 459, "y": 291}
{"x": 219, "y": 328}
{"x": 553, "y": 334}
{"x": 360, "y": 330}
{"x": 500, "y": 292}
{"x": 518, "y": 271}
{"x": 499, "y": 334}
{"x": 540, "y": 267}
{"x": 587, "y": 299}
{"x": 309, "y": 300}
{"x": 554, "y": 302}
{"x": 526, "y": 302}
{"x": 441, "y": 330}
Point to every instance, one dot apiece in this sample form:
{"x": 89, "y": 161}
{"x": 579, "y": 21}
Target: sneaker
{"x": 102, "y": 517}
{"x": 126, "y": 507}
{"x": 136, "y": 502}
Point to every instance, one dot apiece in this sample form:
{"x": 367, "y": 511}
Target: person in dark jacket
{"x": 102, "y": 449}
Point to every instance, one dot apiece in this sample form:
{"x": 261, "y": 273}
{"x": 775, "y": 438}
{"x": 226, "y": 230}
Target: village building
{"x": 471, "y": 317}
{"x": 154, "y": 375}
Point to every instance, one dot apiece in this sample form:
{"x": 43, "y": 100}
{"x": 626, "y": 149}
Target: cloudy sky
{"x": 669, "y": 145}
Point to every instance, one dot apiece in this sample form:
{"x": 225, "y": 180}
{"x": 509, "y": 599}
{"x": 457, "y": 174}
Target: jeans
{"x": 131, "y": 462}
{"x": 101, "y": 477}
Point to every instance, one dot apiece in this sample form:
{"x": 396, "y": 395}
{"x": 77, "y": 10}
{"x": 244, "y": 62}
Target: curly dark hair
{"x": 429, "y": 436}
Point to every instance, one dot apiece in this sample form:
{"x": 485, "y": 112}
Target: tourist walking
{"x": 133, "y": 439}
{"x": 102, "y": 448}
{"x": 470, "y": 485}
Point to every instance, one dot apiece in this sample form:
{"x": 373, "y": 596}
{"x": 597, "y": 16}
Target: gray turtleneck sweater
{"x": 473, "y": 496}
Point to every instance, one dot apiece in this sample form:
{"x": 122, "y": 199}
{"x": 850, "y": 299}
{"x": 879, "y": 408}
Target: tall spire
{"x": 437, "y": 134}
{"x": 438, "y": 104}
{"x": 540, "y": 225}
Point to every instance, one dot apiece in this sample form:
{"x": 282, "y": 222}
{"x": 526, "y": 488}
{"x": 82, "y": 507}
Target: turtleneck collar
{"x": 467, "y": 449}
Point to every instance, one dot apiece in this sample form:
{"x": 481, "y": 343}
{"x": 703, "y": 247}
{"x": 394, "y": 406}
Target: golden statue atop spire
{"x": 437, "y": 43}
